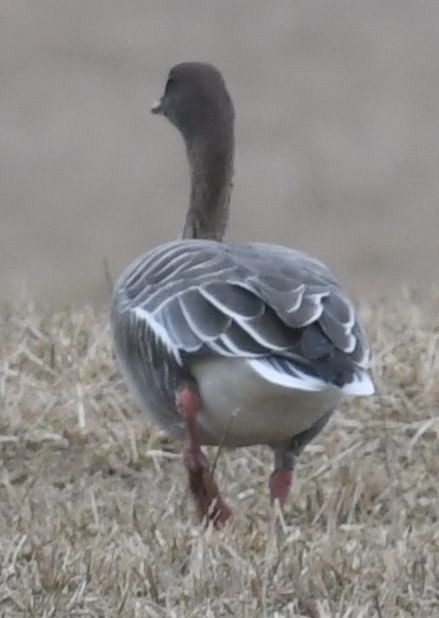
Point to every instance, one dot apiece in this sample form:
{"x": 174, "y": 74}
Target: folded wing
{"x": 279, "y": 309}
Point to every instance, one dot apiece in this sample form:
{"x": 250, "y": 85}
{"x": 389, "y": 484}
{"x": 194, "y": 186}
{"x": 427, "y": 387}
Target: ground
{"x": 96, "y": 521}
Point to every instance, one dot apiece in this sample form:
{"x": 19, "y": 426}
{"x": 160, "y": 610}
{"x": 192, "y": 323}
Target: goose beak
{"x": 157, "y": 107}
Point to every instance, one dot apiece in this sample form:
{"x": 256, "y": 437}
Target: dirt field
{"x": 95, "y": 519}
{"x": 338, "y": 134}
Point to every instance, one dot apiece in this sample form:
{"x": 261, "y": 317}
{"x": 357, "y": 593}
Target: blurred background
{"x": 337, "y": 135}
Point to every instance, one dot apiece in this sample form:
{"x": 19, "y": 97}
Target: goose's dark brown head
{"x": 197, "y": 103}
{"x": 196, "y": 100}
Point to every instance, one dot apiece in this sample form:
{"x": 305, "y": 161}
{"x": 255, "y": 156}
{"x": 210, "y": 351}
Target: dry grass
{"x": 94, "y": 515}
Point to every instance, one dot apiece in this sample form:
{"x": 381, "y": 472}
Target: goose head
{"x": 196, "y": 100}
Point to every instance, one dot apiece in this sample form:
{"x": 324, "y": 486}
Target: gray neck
{"x": 211, "y": 168}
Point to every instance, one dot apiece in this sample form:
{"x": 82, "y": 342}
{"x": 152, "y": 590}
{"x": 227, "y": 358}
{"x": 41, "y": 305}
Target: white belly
{"x": 241, "y": 408}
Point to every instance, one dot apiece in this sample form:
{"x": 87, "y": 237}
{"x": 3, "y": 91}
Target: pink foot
{"x": 220, "y": 512}
{"x": 209, "y": 503}
{"x": 280, "y": 484}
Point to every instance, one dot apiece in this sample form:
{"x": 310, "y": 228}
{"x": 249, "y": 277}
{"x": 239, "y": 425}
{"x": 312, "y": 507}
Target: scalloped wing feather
{"x": 251, "y": 301}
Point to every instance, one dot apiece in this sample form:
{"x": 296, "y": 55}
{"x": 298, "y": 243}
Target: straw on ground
{"x": 94, "y": 520}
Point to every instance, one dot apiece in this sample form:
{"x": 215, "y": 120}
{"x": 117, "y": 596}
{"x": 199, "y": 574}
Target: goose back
{"x": 277, "y": 308}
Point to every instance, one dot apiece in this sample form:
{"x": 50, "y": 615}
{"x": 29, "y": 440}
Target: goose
{"x": 231, "y": 344}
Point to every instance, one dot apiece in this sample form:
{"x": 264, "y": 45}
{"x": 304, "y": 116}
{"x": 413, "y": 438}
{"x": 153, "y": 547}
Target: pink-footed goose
{"x": 232, "y": 344}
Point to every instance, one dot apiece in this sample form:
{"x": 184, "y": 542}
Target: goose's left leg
{"x": 209, "y": 503}
{"x": 285, "y": 456}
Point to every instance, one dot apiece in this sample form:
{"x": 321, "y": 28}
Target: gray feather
{"x": 250, "y": 300}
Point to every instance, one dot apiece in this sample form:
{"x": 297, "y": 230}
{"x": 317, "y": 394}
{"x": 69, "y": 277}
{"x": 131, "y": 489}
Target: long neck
{"x": 211, "y": 168}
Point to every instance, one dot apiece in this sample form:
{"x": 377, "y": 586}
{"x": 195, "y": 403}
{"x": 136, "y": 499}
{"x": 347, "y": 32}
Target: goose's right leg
{"x": 210, "y": 505}
{"x": 285, "y": 456}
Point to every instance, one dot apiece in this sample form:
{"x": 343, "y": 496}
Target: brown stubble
{"x": 95, "y": 517}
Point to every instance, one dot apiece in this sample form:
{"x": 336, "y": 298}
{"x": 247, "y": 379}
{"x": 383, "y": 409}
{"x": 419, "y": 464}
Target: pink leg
{"x": 280, "y": 484}
{"x": 209, "y": 502}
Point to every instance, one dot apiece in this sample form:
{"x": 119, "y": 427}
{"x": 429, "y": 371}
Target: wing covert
{"x": 247, "y": 301}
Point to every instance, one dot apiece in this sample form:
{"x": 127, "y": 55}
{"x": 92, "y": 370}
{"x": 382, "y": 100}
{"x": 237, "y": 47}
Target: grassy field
{"x": 95, "y": 519}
